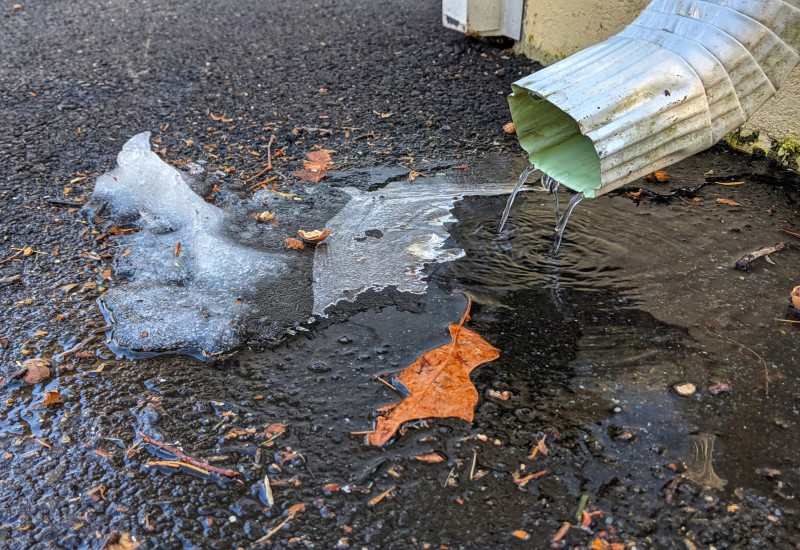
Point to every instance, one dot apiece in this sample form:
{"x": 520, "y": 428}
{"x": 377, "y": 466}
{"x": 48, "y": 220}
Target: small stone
{"x": 685, "y": 389}
{"x": 718, "y": 388}
{"x": 770, "y": 473}
{"x": 344, "y": 340}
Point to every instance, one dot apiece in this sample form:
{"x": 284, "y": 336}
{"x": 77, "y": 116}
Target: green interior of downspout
{"x": 554, "y": 142}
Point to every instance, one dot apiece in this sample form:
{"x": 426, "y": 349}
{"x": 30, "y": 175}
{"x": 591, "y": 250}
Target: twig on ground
{"x": 751, "y": 351}
{"x": 77, "y": 347}
{"x": 10, "y": 280}
{"x": 65, "y": 203}
{"x": 791, "y": 233}
{"x": 184, "y": 458}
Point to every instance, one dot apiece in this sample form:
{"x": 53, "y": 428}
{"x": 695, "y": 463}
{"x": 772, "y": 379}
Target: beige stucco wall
{"x": 554, "y": 29}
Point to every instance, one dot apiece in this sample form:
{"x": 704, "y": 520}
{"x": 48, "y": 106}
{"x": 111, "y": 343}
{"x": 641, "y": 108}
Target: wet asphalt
{"x": 381, "y": 84}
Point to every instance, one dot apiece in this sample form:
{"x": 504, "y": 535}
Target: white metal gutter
{"x": 673, "y": 83}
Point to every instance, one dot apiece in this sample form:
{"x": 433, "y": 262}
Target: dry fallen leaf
{"x": 274, "y": 430}
{"x": 438, "y": 383}
{"x": 265, "y": 216}
{"x": 509, "y": 128}
{"x": 295, "y": 509}
{"x": 294, "y": 244}
{"x": 178, "y": 248}
{"x": 52, "y": 399}
{"x": 36, "y": 370}
{"x": 413, "y": 175}
{"x": 315, "y": 167}
{"x": 635, "y": 195}
{"x": 521, "y": 535}
{"x": 121, "y": 541}
{"x": 728, "y": 202}
{"x": 316, "y": 236}
{"x": 237, "y": 433}
{"x": 796, "y": 297}
{"x": 659, "y": 176}
{"x": 430, "y": 458}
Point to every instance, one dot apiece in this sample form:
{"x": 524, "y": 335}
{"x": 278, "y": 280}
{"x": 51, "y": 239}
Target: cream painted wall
{"x": 554, "y": 29}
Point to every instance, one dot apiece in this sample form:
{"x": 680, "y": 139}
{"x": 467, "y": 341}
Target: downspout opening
{"x": 554, "y": 142}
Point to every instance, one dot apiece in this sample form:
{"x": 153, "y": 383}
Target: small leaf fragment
{"x": 430, "y": 458}
{"x": 36, "y": 370}
{"x": 52, "y": 399}
{"x": 521, "y": 535}
{"x": 728, "y": 202}
{"x": 659, "y": 176}
{"x": 796, "y": 297}
{"x": 316, "y": 236}
{"x": 265, "y": 216}
{"x": 315, "y": 167}
{"x": 294, "y": 244}
{"x": 274, "y": 430}
{"x": 121, "y": 541}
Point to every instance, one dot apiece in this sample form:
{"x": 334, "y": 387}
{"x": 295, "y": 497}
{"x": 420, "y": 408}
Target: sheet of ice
{"x": 188, "y": 297}
{"x": 385, "y": 238}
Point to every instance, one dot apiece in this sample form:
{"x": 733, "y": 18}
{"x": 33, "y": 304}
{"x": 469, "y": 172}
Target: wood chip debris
{"x": 522, "y": 481}
{"x": 374, "y": 501}
{"x": 539, "y": 449}
{"x": 745, "y": 262}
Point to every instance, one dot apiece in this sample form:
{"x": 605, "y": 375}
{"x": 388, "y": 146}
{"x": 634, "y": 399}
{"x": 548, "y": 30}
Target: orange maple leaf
{"x": 438, "y": 383}
{"x": 315, "y": 167}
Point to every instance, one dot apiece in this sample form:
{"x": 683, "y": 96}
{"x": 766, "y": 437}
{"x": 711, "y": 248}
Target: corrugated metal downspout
{"x": 673, "y": 83}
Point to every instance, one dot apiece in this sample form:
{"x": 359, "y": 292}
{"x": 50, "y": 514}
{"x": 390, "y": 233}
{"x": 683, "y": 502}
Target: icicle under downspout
{"x": 673, "y": 83}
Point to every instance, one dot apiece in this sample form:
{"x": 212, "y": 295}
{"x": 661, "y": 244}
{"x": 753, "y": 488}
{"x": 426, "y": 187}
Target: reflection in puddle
{"x": 699, "y": 462}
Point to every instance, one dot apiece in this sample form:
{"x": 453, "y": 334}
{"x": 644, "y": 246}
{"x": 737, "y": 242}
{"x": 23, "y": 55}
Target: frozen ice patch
{"x": 385, "y": 238}
{"x": 190, "y": 283}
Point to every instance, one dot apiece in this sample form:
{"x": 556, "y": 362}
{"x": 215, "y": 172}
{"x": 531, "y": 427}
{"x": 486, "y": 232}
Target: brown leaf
{"x": 509, "y": 128}
{"x": 36, "y": 370}
{"x": 265, "y": 216}
{"x": 796, "y": 297}
{"x": 178, "y": 248}
{"x": 659, "y": 176}
{"x": 315, "y": 167}
{"x": 294, "y": 244}
{"x": 274, "y": 430}
{"x": 316, "y": 236}
{"x": 52, "y": 399}
{"x": 521, "y": 535}
{"x": 634, "y": 195}
{"x": 121, "y": 541}
{"x": 438, "y": 383}
{"x": 236, "y": 433}
{"x": 728, "y": 202}
{"x": 295, "y": 509}
{"x": 430, "y": 458}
